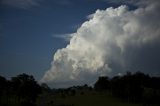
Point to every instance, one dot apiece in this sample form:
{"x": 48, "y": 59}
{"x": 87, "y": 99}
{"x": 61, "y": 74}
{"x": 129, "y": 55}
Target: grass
{"x": 88, "y": 99}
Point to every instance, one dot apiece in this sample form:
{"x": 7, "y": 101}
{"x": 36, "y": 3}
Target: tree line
{"x": 137, "y": 87}
{"x": 21, "y": 90}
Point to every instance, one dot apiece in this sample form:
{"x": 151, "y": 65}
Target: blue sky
{"x": 27, "y": 31}
{"x": 31, "y": 32}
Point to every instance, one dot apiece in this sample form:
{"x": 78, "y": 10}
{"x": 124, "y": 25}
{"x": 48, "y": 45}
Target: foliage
{"x": 102, "y": 84}
{"x": 136, "y": 87}
{"x": 20, "y": 90}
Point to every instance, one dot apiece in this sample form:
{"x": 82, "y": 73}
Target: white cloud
{"x": 66, "y": 37}
{"x": 103, "y": 43}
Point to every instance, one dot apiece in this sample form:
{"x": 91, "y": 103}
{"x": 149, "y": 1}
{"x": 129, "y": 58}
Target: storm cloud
{"x": 110, "y": 42}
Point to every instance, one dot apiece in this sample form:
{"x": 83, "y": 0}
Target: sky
{"x": 68, "y": 42}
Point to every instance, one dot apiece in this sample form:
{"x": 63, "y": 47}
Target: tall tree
{"x": 103, "y": 83}
{"x": 25, "y": 87}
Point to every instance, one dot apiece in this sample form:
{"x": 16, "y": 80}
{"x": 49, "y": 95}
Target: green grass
{"x": 88, "y": 99}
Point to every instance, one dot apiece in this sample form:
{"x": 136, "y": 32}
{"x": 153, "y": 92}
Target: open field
{"x": 87, "y": 99}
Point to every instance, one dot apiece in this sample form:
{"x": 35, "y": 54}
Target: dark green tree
{"x": 25, "y": 86}
{"x": 3, "y": 87}
{"x": 103, "y": 83}
{"x": 3, "y": 83}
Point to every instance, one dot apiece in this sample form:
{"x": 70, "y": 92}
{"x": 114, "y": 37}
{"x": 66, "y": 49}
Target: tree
{"x": 25, "y": 86}
{"x": 3, "y": 83}
{"x": 103, "y": 83}
{"x": 3, "y": 86}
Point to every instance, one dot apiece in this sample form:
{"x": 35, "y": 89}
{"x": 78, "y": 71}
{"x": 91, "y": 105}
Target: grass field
{"x": 86, "y": 99}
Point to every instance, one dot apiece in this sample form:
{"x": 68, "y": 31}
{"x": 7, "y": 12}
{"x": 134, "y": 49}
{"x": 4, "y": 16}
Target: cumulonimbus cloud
{"x": 104, "y": 43}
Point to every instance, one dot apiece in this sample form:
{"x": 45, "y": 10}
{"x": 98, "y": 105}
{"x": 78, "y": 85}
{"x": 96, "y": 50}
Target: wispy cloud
{"x": 66, "y": 37}
{"x": 133, "y": 2}
{"x": 122, "y": 1}
{"x": 24, "y": 4}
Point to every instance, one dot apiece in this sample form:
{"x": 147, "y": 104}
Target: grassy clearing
{"x": 87, "y": 99}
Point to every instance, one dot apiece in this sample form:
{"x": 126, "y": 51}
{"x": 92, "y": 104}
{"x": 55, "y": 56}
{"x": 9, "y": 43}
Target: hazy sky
{"x": 96, "y": 40}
